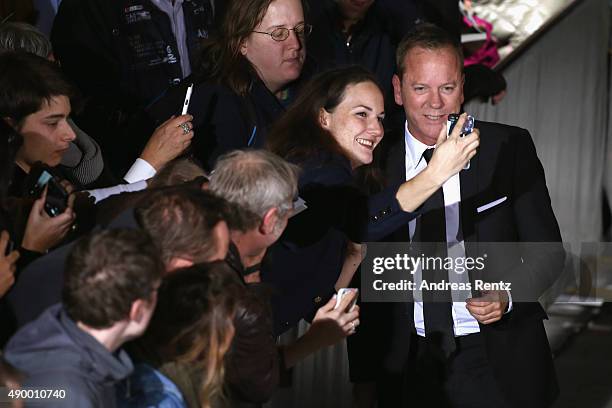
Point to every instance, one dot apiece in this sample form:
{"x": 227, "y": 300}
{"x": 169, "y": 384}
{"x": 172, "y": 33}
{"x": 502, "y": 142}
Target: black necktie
{"x": 431, "y": 229}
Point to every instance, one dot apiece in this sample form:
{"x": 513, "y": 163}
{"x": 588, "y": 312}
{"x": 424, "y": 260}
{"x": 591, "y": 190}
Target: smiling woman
{"x": 331, "y": 130}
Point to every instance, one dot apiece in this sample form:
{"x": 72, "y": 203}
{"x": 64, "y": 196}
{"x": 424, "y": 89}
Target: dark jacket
{"x": 506, "y": 165}
{"x": 122, "y": 55}
{"x": 369, "y": 44}
{"x": 254, "y": 363}
{"x": 306, "y": 261}
{"x": 222, "y": 119}
{"x": 55, "y": 354}
{"x": 40, "y": 284}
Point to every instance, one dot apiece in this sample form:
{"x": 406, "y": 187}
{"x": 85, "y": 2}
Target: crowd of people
{"x": 154, "y": 246}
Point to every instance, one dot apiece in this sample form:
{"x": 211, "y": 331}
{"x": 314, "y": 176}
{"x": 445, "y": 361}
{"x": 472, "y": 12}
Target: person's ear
{"x": 178, "y": 263}
{"x": 268, "y": 221}
{"x": 243, "y": 47}
{"x": 397, "y": 90}
{"x": 137, "y": 310}
{"x": 324, "y": 118}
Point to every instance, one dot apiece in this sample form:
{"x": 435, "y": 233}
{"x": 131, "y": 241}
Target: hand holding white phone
{"x": 343, "y": 292}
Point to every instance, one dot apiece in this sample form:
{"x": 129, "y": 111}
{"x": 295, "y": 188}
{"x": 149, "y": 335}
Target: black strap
{"x": 251, "y": 269}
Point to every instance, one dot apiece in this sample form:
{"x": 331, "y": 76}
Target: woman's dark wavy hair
{"x": 298, "y": 134}
{"x": 222, "y": 61}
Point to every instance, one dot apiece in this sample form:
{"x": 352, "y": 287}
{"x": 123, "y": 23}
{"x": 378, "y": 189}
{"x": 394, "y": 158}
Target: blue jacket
{"x": 147, "y": 387}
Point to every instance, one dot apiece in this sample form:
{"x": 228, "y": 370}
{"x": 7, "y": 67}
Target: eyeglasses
{"x": 282, "y": 33}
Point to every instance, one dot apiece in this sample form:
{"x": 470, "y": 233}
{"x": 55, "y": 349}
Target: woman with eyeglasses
{"x": 247, "y": 76}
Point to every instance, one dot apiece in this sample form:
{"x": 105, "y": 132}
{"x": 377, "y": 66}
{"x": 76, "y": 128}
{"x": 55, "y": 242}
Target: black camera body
{"x": 40, "y": 176}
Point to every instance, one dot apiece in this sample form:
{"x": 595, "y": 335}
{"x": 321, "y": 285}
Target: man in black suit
{"x": 484, "y": 351}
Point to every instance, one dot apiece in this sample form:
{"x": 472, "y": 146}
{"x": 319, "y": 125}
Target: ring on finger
{"x": 185, "y": 127}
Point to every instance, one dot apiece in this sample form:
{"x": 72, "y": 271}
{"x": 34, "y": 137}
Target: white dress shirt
{"x": 140, "y": 170}
{"x": 463, "y": 322}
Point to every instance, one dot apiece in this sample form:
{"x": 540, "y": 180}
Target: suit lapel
{"x": 469, "y": 180}
{"x": 395, "y": 169}
{"x": 397, "y": 162}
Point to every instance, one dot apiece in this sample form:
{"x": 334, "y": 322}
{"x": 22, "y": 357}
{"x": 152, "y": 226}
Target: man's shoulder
{"x": 499, "y": 136}
{"x": 494, "y": 129}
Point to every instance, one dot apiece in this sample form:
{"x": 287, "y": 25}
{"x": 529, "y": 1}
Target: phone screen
{"x": 42, "y": 181}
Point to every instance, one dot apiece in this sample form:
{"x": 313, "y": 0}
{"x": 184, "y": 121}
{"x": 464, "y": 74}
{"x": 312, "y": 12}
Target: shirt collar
{"x": 414, "y": 148}
{"x": 167, "y": 6}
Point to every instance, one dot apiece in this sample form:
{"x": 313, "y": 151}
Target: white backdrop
{"x": 558, "y": 90}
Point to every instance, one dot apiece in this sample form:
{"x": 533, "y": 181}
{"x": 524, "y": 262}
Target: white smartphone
{"x": 343, "y": 292}
{"x": 187, "y": 99}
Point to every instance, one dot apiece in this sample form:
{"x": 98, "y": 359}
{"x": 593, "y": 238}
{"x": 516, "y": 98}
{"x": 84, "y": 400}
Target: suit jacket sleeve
{"x": 333, "y": 199}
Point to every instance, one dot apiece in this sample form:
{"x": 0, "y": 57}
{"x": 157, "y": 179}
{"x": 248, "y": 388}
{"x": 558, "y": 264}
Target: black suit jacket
{"x": 506, "y": 165}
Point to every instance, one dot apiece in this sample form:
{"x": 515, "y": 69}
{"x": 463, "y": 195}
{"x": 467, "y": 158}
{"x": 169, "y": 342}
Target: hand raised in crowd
{"x": 330, "y": 325}
{"x": 7, "y": 264}
{"x": 490, "y": 307}
{"x": 452, "y": 153}
{"x": 168, "y": 141}
{"x": 43, "y": 232}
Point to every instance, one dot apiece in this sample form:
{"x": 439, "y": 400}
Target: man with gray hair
{"x": 263, "y": 187}
{"x": 23, "y": 36}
